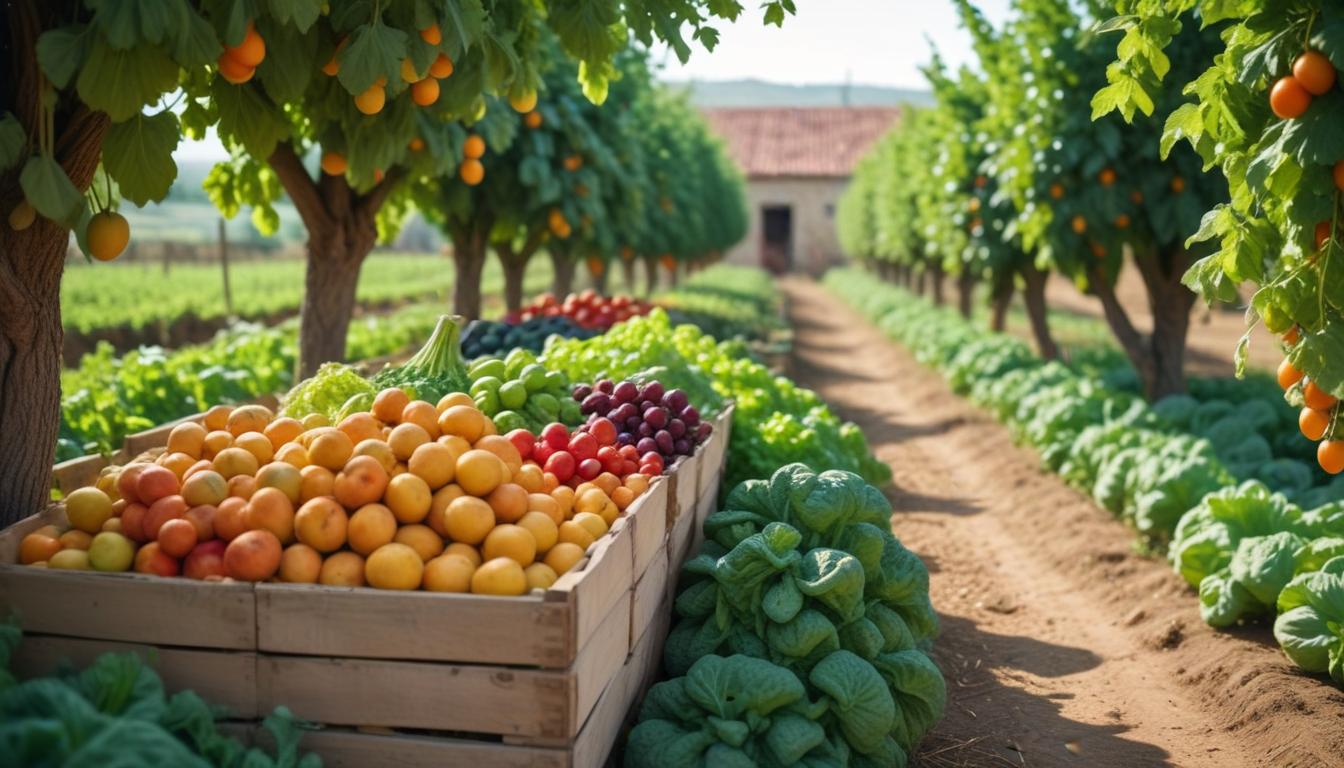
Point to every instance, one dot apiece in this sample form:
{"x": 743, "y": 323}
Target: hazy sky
{"x": 870, "y": 42}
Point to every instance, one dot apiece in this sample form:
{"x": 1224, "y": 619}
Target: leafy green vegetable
{"x": 327, "y": 392}
{"x": 1310, "y": 626}
{"x": 436, "y": 370}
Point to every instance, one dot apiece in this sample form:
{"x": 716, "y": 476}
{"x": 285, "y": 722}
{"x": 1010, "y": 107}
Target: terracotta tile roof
{"x": 800, "y": 141}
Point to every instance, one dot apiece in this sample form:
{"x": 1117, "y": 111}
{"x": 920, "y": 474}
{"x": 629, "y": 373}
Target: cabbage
{"x": 327, "y": 392}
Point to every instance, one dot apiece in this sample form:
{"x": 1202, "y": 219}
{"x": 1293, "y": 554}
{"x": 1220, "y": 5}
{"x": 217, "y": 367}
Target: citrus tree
{"x": 1266, "y": 111}
{"x": 116, "y": 84}
{"x": 1091, "y": 193}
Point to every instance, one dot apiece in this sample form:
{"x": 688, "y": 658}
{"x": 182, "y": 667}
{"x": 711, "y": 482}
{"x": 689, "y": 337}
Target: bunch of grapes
{"x": 654, "y": 421}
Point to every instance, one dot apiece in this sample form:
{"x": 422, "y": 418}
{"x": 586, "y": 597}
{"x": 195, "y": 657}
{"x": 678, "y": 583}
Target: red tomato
{"x": 556, "y": 435}
{"x": 628, "y": 467}
{"x": 651, "y": 459}
{"x": 628, "y": 452}
{"x": 603, "y": 430}
{"x": 583, "y": 446}
{"x": 562, "y": 465}
{"x": 589, "y": 469}
{"x": 523, "y": 441}
{"x": 541, "y": 452}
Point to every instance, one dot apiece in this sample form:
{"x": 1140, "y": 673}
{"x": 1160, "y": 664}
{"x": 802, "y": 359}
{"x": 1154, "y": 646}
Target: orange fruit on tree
{"x": 1122, "y": 221}
{"x": 523, "y": 100}
{"x": 1057, "y": 191}
{"x": 1106, "y": 177}
{"x": 416, "y": 144}
{"x": 532, "y": 119}
{"x": 596, "y": 266}
{"x": 1330, "y": 455}
{"x": 408, "y": 73}
{"x": 1289, "y": 99}
{"x": 431, "y": 34}
{"x": 1288, "y": 374}
{"x": 425, "y": 92}
{"x": 473, "y": 147}
{"x": 1338, "y": 173}
{"x": 1317, "y": 398}
{"x": 107, "y": 234}
{"x": 472, "y": 172}
{"x": 334, "y": 164}
{"x": 232, "y": 71}
{"x": 251, "y": 51}
{"x": 573, "y": 163}
{"x": 441, "y": 67}
{"x": 1313, "y": 423}
{"x": 1314, "y": 72}
{"x": 1078, "y": 224}
{"x": 371, "y": 101}
{"x": 1293, "y": 335}
{"x": 1322, "y": 234}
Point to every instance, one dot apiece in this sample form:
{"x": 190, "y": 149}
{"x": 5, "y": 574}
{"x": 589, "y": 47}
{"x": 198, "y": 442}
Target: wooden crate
{"x": 408, "y": 677}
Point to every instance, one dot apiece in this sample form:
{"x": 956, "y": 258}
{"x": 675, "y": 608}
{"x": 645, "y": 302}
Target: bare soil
{"x": 1061, "y": 645}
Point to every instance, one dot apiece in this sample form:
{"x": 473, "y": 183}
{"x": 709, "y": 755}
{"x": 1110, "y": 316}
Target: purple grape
{"x": 677, "y": 427}
{"x": 597, "y": 402}
{"x": 632, "y": 423}
{"x": 646, "y": 445}
{"x": 652, "y": 392}
{"x": 682, "y": 446}
{"x": 675, "y": 400}
{"x": 664, "y": 440}
{"x": 582, "y": 391}
{"x": 656, "y": 416}
{"x": 645, "y": 429}
{"x": 623, "y": 411}
{"x": 625, "y": 438}
{"x": 702, "y": 431}
{"x": 690, "y": 415}
{"x": 606, "y": 386}
{"x": 626, "y": 392}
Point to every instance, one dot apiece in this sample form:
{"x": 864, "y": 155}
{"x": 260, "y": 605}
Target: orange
{"x": 530, "y": 477}
{"x": 479, "y": 472}
{"x": 463, "y": 421}
{"x": 544, "y": 530}
{"x": 270, "y": 509}
{"x": 394, "y": 566}
{"x": 425, "y": 92}
{"x": 472, "y": 554}
{"x": 434, "y": 463}
{"x": 378, "y": 449}
{"x": 251, "y": 51}
{"x": 523, "y": 100}
{"x": 540, "y": 576}
{"x": 574, "y": 533}
{"x": 248, "y": 418}
{"x": 234, "y": 71}
{"x": 331, "y": 448}
{"x": 1288, "y": 374}
{"x": 471, "y": 171}
{"x": 215, "y": 442}
{"x": 532, "y": 119}
{"x": 500, "y": 576}
{"x": 279, "y": 475}
{"x": 408, "y": 496}
{"x": 438, "y": 506}
{"x": 372, "y": 526}
{"x": 1330, "y": 455}
{"x": 546, "y": 505}
{"x": 622, "y": 497}
{"x": 511, "y": 541}
{"x": 422, "y": 539}
{"x": 342, "y": 569}
{"x": 563, "y": 556}
{"x": 1289, "y": 99}
{"x": 360, "y": 426}
{"x": 441, "y": 67}
{"x": 389, "y": 403}
{"x": 334, "y": 163}
{"x": 256, "y": 444}
{"x": 474, "y": 147}
{"x": 88, "y": 508}
{"x": 253, "y": 556}
{"x": 448, "y": 573}
{"x": 300, "y": 564}
{"x": 503, "y": 448}
{"x": 216, "y": 418}
{"x": 177, "y": 463}
{"x": 1317, "y": 398}
{"x": 405, "y": 438}
{"x": 1314, "y": 73}
{"x": 424, "y": 414}
{"x": 509, "y": 501}
{"x": 36, "y": 547}
{"x": 230, "y": 520}
{"x": 454, "y": 398}
{"x": 317, "y": 481}
{"x": 431, "y": 34}
{"x": 321, "y": 523}
{"x": 283, "y": 430}
{"x": 564, "y": 497}
{"x": 1313, "y": 423}
{"x": 76, "y": 539}
{"x": 468, "y": 520}
{"x": 594, "y": 524}
{"x": 363, "y": 481}
{"x": 187, "y": 437}
{"x": 371, "y": 101}
{"x": 408, "y": 73}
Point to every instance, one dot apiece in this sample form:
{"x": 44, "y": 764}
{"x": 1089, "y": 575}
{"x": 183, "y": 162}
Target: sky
{"x": 866, "y": 42}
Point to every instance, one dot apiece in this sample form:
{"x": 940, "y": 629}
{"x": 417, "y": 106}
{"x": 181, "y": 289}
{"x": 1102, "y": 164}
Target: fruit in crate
{"x": 401, "y": 494}
{"x": 658, "y": 427}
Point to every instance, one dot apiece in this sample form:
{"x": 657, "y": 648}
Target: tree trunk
{"x": 335, "y": 256}
{"x": 1000, "y": 299}
{"x": 920, "y": 281}
{"x": 672, "y": 276}
{"x": 965, "y": 292}
{"x": 599, "y": 281}
{"x": 31, "y": 264}
{"x": 515, "y": 268}
{"x": 628, "y": 273}
{"x": 1159, "y": 358}
{"x": 1033, "y": 295}
{"x": 936, "y": 275}
{"x": 562, "y": 266}
{"x": 650, "y": 276}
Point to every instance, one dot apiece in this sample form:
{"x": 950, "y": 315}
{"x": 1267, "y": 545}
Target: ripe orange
{"x": 394, "y": 566}
{"x": 523, "y": 100}
{"x": 431, "y": 34}
{"x": 479, "y": 472}
{"x": 371, "y": 101}
{"x": 422, "y": 539}
{"x": 389, "y": 404}
{"x": 1313, "y": 423}
{"x": 448, "y": 573}
{"x": 425, "y": 92}
{"x": 1289, "y": 99}
{"x": 342, "y": 569}
{"x": 1339, "y": 175}
{"x": 322, "y": 524}
{"x": 540, "y": 576}
{"x": 1314, "y": 73}
{"x": 468, "y": 520}
{"x": 1057, "y": 191}
{"x": 500, "y": 576}
{"x": 107, "y": 235}
{"x": 416, "y": 144}
{"x": 441, "y": 67}
{"x": 1106, "y": 177}
{"x": 472, "y": 172}
{"x": 1079, "y": 224}
{"x": 248, "y": 418}
{"x": 408, "y": 497}
{"x": 251, "y": 51}
{"x": 473, "y": 147}
{"x": 253, "y": 556}
{"x": 36, "y": 548}
{"x": 1122, "y": 221}
{"x": 1330, "y": 455}
{"x": 1288, "y": 374}
{"x": 234, "y": 71}
{"x": 1177, "y": 185}
{"x": 544, "y": 530}
{"x": 532, "y": 119}
{"x": 563, "y": 556}
{"x": 423, "y": 414}
{"x": 300, "y": 564}
{"x": 1317, "y": 398}
{"x": 372, "y": 526}
{"x": 511, "y": 541}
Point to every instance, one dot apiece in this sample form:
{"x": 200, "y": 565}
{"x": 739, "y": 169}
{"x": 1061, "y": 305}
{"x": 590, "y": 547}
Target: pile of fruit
{"x": 519, "y": 393}
{"x": 657, "y": 426}
{"x": 487, "y": 337}
{"x": 403, "y": 495}
{"x": 588, "y": 309}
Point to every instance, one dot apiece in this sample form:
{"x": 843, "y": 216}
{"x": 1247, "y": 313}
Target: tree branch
{"x": 303, "y": 191}
{"x": 370, "y": 202}
{"x": 1124, "y": 330}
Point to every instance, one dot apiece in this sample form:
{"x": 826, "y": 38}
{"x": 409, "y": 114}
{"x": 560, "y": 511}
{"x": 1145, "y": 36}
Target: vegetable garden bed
{"x": 538, "y": 680}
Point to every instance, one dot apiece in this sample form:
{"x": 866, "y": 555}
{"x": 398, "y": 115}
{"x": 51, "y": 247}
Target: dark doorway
{"x": 777, "y": 238}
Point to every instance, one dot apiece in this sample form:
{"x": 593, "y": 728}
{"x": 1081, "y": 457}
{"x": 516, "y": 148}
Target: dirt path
{"x": 1061, "y": 646}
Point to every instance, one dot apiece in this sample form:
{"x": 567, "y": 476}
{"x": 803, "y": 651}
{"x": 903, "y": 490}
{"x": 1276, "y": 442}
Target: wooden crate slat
{"x": 430, "y": 696}
{"x": 222, "y": 678}
{"x": 130, "y": 607}
{"x": 11, "y": 537}
{"x": 648, "y": 516}
{"x": 604, "y": 579}
{"x": 327, "y": 621}
{"x": 686, "y": 485}
{"x": 649, "y": 596}
{"x": 599, "y": 660}
{"x": 77, "y": 473}
{"x": 343, "y": 748}
{"x": 600, "y": 733}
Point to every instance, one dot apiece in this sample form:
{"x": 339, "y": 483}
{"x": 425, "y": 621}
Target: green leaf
{"x": 595, "y": 81}
{"x": 138, "y": 154}
{"x": 290, "y": 63}
{"x": 1322, "y": 356}
{"x": 247, "y": 119}
{"x": 12, "y": 141}
{"x": 50, "y": 191}
{"x": 60, "y": 52}
{"x": 196, "y": 44}
{"x": 300, "y": 13}
{"x": 375, "y": 51}
{"x": 131, "y": 23}
{"x": 121, "y": 83}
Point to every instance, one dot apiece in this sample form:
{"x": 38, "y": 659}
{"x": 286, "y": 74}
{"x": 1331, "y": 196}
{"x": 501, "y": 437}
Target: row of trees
{"x": 1025, "y": 181}
{"x": 380, "y": 89}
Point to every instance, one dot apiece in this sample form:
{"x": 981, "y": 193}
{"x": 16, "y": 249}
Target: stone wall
{"x": 812, "y": 201}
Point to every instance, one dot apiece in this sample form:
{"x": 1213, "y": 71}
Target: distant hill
{"x": 759, "y": 93}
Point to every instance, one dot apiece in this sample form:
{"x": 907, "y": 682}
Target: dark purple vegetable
{"x": 652, "y": 392}
{"x": 582, "y": 391}
{"x": 632, "y": 423}
{"x": 645, "y": 429}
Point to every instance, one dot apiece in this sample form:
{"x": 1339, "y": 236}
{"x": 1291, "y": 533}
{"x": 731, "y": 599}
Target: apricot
{"x": 545, "y": 532}
{"x": 511, "y": 541}
{"x": 372, "y": 526}
{"x": 405, "y": 438}
{"x": 448, "y": 573}
{"x": 133, "y": 521}
{"x": 330, "y": 448}
{"x": 422, "y": 539}
{"x": 283, "y": 477}
{"x": 342, "y": 569}
{"x": 530, "y": 477}
{"x": 422, "y": 414}
{"x": 253, "y": 556}
{"x": 510, "y": 502}
{"x": 242, "y": 486}
{"x": 317, "y": 481}
{"x": 438, "y": 506}
{"x": 215, "y": 442}
{"x": 300, "y": 564}
{"x": 206, "y": 560}
{"x": 465, "y": 550}
{"x": 230, "y": 519}
{"x": 292, "y": 454}
{"x": 500, "y": 576}
{"x": 217, "y": 417}
{"x": 177, "y": 537}
{"x": 389, "y": 404}
{"x": 454, "y": 398}
{"x": 563, "y": 556}
{"x": 360, "y": 426}
{"x": 503, "y": 448}
{"x": 408, "y": 497}
{"x": 177, "y": 463}
{"x": 155, "y": 482}
{"x": 234, "y": 461}
{"x": 464, "y": 421}
{"x": 394, "y": 566}
{"x": 283, "y": 431}
{"x": 151, "y": 559}
{"x": 127, "y": 479}
{"x": 322, "y": 523}
{"x": 205, "y": 487}
{"x": 75, "y": 539}
{"x": 187, "y": 437}
{"x": 256, "y": 444}
{"x": 378, "y": 449}
{"x": 271, "y": 510}
{"x": 36, "y": 547}
{"x": 165, "y": 509}
{"x": 434, "y": 463}
{"x": 203, "y": 519}
{"x": 468, "y": 520}
{"x": 248, "y": 418}
{"x": 479, "y": 472}
{"x": 540, "y": 576}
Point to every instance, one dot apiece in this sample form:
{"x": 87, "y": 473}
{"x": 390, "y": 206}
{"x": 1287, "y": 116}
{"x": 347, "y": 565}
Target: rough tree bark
{"x": 1001, "y": 296}
{"x": 514, "y": 262}
{"x": 1159, "y": 357}
{"x": 650, "y": 276}
{"x": 471, "y": 240}
{"x": 31, "y": 264}
{"x": 341, "y": 233}
{"x": 965, "y": 292}
{"x": 562, "y": 267}
{"x": 1033, "y": 295}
